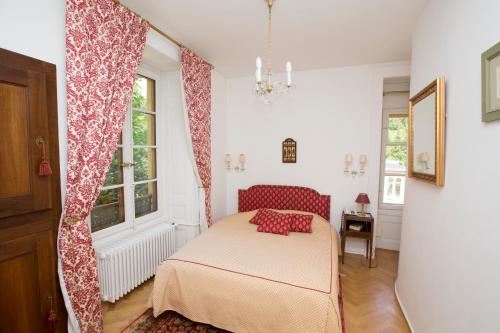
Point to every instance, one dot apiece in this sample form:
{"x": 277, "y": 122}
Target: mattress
{"x": 241, "y": 280}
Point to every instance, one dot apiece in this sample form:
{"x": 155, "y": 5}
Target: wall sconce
{"x": 227, "y": 161}
{"x": 348, "y": 162}
{"x": 241, "y": 160}
{"x": 241, "y": 167}
{"x": 424, "y": 159}
{"x": 363, "y": 159}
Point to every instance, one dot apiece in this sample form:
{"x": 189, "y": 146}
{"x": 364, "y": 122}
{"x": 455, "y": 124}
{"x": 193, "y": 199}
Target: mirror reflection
{"x": 424, "y": 135}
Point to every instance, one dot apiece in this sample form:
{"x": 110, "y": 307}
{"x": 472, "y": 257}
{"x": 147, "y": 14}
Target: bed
{"x": 241, "y": 280}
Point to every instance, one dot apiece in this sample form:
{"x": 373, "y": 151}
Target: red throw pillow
{"x": 300, "y": 222}
{"x": 274, "y": 223}
{"x": 262, "y": 215}
{"x": 257, "y": 218}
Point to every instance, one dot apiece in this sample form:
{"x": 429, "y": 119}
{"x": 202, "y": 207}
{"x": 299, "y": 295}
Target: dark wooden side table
{"x": 365, "y": 233}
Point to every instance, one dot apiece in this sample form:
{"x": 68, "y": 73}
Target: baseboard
{"x": 388, "y": 244}
{"x": 402, "y": 307}
{"x": 355, "y": 251}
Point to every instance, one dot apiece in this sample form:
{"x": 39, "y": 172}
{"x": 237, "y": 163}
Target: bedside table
{"x": 365, "y": 233}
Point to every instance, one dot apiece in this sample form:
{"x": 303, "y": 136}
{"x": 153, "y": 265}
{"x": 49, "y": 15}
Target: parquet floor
{"x": 118, "y": 315}
{"x": 370, "y": 305}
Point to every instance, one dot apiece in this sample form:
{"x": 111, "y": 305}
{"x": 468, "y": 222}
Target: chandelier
{"x": 267, "y": 90}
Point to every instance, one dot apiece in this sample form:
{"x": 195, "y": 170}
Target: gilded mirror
{"x": 426, "y": 134}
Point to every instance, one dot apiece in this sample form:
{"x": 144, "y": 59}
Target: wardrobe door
{"x": 30, "y": 203}
{"x": 24, "y": 131}
{"x": 26, "y": 285}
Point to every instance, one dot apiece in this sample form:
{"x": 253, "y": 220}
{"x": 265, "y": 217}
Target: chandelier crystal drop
{"x": 266, "y": 89}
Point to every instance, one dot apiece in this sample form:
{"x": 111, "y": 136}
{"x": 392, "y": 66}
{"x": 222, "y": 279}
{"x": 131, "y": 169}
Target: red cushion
{"x": 300, "y": 222}
{"x": 257, "y": 218}
{"x": 262, "y": 215}
{"x": 275, "y": 223}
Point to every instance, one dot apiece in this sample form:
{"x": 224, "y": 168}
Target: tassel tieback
{"x": 45, "y": 168}
{"x": 52, "y": 318}
{"x": 52, "y": 321}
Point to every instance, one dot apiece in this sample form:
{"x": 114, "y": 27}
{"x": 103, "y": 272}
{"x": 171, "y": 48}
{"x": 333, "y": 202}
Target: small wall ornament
{"x": 289, "y": 151}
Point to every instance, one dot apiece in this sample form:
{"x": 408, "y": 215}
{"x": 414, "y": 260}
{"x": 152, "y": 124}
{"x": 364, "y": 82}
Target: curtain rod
{"x": 155, "y": 28}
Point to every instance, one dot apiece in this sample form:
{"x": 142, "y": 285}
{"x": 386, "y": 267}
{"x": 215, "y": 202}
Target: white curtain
{"x": 202, "y": 218}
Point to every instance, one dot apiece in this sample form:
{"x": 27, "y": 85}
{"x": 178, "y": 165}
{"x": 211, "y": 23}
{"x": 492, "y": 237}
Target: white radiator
{"x": 127, "y": 263}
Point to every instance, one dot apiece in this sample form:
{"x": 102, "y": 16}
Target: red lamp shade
{"x": 362, "y": 198}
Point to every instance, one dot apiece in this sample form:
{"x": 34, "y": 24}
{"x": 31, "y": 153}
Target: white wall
{"x": 218, "y": 146}
{"x": 448, "y": 279}
{"x": 331, "y": 112}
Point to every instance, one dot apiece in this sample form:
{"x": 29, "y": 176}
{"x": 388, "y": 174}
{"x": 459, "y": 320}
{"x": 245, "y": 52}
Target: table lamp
{"x": 362, "y": 199}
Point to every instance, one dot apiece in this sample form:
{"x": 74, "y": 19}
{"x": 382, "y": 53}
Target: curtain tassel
{"x": 45, "y": 168}
{"x": 52, "y": 321}
{"x": 52, "y": 318}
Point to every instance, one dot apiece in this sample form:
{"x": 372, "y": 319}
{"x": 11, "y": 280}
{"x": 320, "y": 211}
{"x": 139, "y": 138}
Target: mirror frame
{"x": 438, "y": 87}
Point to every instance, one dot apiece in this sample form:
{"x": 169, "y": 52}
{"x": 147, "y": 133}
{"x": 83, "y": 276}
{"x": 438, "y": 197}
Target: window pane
{"x": 145, "y": 199}
{"x": 143, "y": 94}
{"x": 395, "y": 159}
{"x": 143, "y": 125}
{"x": 145, "y": 163}
{"x": 115, "y": 172}
{"x": 394, "y": 189}
{"x": 108, "y": 209}
{"x": 397, "y": 129}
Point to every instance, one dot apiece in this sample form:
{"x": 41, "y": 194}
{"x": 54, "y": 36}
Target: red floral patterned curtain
{"x": 197, "y": 86}
{"x": 104, "y": 46}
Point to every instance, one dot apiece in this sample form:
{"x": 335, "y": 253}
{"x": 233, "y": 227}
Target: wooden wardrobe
{"x": 30, "y": 204}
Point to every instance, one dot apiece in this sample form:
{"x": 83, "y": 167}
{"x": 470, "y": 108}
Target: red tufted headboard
{"x": 284, "y": 197}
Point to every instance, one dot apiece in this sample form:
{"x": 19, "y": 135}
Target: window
{"x": 129, "y": 194}
{"x": 395, "y": 159}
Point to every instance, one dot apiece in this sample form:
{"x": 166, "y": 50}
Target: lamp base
{"x": 362, "y": 212}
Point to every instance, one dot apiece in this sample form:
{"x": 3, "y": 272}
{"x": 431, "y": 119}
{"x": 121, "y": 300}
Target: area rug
{"x": 167, "y": 322}
{"x": 172, "y": 322}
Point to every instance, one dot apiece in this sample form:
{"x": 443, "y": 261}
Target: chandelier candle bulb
{"x": 288, "y": 73}
{"x": 258, "y": 73}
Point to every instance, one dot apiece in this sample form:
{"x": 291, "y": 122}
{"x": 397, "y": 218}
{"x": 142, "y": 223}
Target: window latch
{"x": 127, "y": 164}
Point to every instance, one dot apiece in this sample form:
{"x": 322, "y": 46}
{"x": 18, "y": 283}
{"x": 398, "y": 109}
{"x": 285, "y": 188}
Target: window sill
{"x": 100, "y": 241}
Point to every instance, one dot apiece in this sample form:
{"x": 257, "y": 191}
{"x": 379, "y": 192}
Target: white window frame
{"x": 132, "y": 223}
{"x": 385, "y": 123}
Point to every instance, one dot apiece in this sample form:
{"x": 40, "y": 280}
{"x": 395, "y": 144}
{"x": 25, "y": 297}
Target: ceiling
{"x": 230, "y": 34}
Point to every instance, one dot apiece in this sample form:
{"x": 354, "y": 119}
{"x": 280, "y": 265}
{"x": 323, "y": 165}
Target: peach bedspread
{"x": 241, "y": 280}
